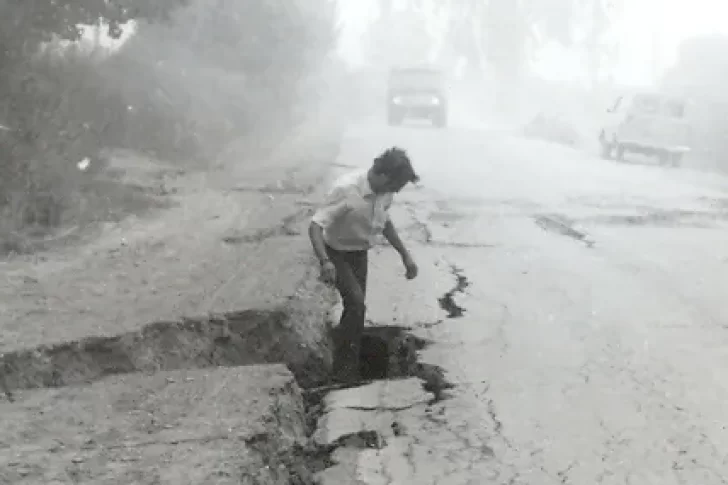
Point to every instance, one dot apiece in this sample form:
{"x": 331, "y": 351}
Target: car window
{"x": 414, "y": 72}
{"x": 674, "y": 108}
{"x": 415, "y": 77}
{"x": 647, "y": 104}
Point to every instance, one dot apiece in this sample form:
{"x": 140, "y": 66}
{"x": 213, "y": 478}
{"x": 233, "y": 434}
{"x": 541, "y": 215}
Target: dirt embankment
{"x": 222, "y": 426}
{"x": 113, "y": 346}
{"x": 185, "y": 346}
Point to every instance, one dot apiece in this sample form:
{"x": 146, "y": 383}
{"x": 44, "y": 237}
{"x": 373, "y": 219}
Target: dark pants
{"x": 351, "y": 281}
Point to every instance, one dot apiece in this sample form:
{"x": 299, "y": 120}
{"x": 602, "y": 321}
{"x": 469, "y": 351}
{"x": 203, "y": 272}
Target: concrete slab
{"x": 344, "y": 472}
{"x": 338, "y": 423}
{"x": 381, "y": 395}
{"x": 213, "y": 426}
{"x": 373, "y": 407}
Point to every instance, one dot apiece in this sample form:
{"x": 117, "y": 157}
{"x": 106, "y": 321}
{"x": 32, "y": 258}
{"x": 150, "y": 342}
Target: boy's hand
{"x": 328, "y": 273}
{"x": 411, "y": 269}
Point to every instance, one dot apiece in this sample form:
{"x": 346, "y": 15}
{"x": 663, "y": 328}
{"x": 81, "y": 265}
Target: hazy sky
{"x": 672, "y": 21}
{"x": 667, "y": 21}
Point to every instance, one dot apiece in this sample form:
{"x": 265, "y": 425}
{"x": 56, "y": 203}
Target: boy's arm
{"x": 392, "y": 236}
{"x": 316, "y": 234}
{"x": 390, "y": 233}
{"x": 333, "y": 208}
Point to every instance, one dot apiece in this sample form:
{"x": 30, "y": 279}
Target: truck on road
{"x": 417, "y": 92}
{"x": 647, "y": 123}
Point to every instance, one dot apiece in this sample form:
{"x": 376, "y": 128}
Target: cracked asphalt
{"x": 573, "y": 363}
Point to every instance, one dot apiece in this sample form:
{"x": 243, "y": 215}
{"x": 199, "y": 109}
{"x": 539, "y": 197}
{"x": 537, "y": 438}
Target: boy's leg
{"x": 351, "y": 270}
{"x": 360, "y": 265}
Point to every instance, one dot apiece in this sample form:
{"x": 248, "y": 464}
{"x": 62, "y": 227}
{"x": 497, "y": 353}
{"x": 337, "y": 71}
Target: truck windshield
{"x": 647, "y": 104}
{"x": 675, "y": 108}
{"x": 656, "y": 105}
{"x": 415, "y": 78}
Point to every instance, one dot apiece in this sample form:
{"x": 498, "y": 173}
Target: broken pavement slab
{"x": 396, "y": 411}
{"x": 358, "y": 410}
{"x": 344, "y": 472}
{"x": 181, "y": 427}
{"x": 368, "y": 408}
{"x": 380, "y": 395}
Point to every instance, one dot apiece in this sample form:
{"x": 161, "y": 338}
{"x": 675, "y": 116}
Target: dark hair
{"x": 395, "y": 163}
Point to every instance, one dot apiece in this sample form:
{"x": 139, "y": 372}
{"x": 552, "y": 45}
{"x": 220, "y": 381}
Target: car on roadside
{"x": 648, "y": 123}
{"x": 419, "y": 93}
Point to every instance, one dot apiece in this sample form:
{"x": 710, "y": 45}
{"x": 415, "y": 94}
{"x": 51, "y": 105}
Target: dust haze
{"x": 182, "y": 83}
{"x": 188, "y": 83}
{"x": 549, "y": 70}
{"x": 163, "y": 318}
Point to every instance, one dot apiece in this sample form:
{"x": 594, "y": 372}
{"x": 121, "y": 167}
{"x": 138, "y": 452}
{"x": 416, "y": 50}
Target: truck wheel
{"x": 606, "y": 150}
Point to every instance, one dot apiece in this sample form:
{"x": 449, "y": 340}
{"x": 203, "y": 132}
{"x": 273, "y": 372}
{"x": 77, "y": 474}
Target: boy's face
{"x": 384, "y": 184}
{"x": 395, "y": 185}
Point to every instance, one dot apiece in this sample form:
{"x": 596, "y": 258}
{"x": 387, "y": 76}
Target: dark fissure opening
{"x": 392, "y": 352}
{"x": 447, "y": 301}
{"x": 235, "y": 339}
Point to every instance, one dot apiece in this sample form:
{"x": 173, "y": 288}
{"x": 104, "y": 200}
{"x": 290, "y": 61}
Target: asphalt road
{"x": 594, "y": 333}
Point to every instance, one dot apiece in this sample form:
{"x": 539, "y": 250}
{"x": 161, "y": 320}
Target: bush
{"x": 216, "y": 73}
{"x": 553, "y": 129}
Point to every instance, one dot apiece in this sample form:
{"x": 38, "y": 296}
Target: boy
{"x": 342, "y": 232}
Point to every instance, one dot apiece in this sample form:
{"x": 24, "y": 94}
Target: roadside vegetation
{"x": 700, "y": 74}
{"x": 175, "y": 80}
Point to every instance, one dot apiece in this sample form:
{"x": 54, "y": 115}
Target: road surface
{"x": 593, "y": 338}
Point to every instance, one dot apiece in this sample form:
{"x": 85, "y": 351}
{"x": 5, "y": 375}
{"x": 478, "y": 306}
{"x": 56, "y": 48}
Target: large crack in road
{"x": 561, "y": 225}
{"x": 234, "y": 339}
{"x": 447, "y": 301}
{"x": 230, "y": 340}
{"x": 241, "y": 339}
{"x": 237, "y": 339}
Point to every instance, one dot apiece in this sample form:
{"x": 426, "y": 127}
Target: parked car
{"x": 647, "y": 123}
{"x": 417, "y": 92}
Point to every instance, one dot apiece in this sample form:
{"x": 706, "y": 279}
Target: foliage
{"x": 273, "y": 44}
{"x": 43, "y": 133}
{"x": 408, "y": 31}
{"x": 701, "y": 73}
{"x": 504, "y": 33}
{"x": 217, "y": 70}
{"x": 701, "y": 67}
{"x": 26, "y": 24}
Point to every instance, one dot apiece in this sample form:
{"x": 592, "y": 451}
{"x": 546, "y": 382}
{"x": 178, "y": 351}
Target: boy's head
{"x": 391, "y": 171}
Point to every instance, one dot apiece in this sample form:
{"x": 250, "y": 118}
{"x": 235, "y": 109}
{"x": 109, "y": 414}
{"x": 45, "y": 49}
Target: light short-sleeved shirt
{"x": 353, "y": 215}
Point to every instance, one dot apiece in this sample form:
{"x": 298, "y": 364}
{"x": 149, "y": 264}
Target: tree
{"x": 399, "y": 38}
{"x": 400, "y": 35}
{"x": 502, "y": 35}
{"x": 701, "y": 67}
{"x": 270, "y": 45}
{"x": 32, "y": 99}
{"x": 256, "y": 37}
{"x": 26, "y": 25}
{"x": 701, "y": 74}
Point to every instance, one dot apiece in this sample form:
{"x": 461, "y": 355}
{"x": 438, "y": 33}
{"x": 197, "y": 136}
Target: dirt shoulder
{"x": 184, "y": 427}
{"x": 134, "y": 357}
{"x": 232, "y": 240}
